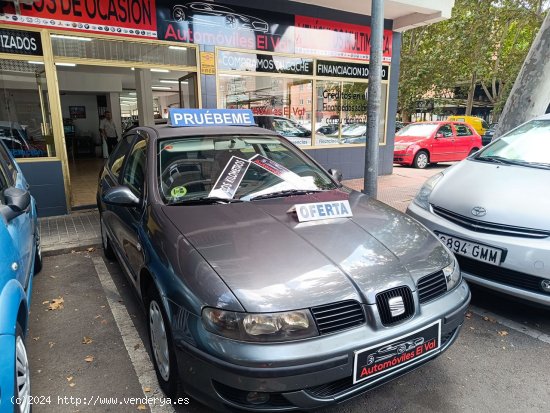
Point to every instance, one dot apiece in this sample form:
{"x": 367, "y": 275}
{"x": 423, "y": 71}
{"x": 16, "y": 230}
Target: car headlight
{"x": 422, "y": 197}
{"x": 284, "y": 326}
{"x": 400, "y": 147}
{"x": 452, "y": 274}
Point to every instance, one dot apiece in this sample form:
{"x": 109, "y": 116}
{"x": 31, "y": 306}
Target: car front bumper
{"x": 403, "y": 158}
{"x": 521, "y": 271}
{"x": 305, "y": 374}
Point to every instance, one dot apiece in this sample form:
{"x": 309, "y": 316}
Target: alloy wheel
{"x": 22, "y": 374}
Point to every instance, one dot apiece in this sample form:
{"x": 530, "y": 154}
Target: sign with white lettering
{"x": 346, "y": 69}
{"x": 277, "y": 169}
{"x": 247, "y": 62}
{"x": 323, "y": 210}
{"x": 229, "y": 180}
{"x": 20, "y": 42}
{"x": 211, "y": 117}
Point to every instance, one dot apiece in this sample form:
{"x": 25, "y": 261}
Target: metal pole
{"x": 374, "y": 95}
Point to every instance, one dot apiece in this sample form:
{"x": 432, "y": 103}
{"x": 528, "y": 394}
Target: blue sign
{"x": 211, "y": 117}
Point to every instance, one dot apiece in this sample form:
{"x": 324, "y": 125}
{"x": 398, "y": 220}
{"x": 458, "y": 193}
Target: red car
{"x": 421, "y": 143}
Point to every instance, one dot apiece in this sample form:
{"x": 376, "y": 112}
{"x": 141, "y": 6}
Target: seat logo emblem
{"x": 479, "y": 211}
{"x": 545, "y": 284}
{"x": 397, "y": 306}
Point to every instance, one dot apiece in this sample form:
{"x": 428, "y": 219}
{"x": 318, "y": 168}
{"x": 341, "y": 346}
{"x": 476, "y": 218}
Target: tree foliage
{"x": 485, "y": 42}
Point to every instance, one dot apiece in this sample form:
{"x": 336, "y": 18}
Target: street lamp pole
{"x": 374, "y": 98}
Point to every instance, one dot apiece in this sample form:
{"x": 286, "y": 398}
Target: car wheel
{"x": 22, "y": 374}
{"x": 38, "y": 253}
{"x": 106, "y": 244}
{"x": 421, "y": 160}
{"x": 160, "y": 338}
{"x": 178, "y": 14}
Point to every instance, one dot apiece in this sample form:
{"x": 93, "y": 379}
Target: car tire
{"x": 37, "y": 253}
{"x": 421, "y": 160}
{"x": 162, "y": 348}
{"x": 21, "y": 372}
{"x": 105, "y": 242}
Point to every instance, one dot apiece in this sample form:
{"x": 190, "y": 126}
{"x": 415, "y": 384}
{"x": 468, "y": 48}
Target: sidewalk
{"x": 80, "y": 230}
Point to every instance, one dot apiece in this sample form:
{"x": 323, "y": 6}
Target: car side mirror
{"x": 336, "y": 174}
{"x": 121, "y": 196}
{"x": 439, "y": 135}
{"x": 17, "y": 202}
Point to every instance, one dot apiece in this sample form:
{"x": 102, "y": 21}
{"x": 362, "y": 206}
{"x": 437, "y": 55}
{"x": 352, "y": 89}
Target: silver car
{"x": 266, "y": 283}
{"x": 493, "y": 211}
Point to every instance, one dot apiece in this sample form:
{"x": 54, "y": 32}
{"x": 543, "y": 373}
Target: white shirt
{"x": 108, "y": 126}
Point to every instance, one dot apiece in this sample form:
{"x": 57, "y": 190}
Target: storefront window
{"x": 341, "y": 113}
{"x": 282, "y": 104}
{"x": 25, "y": 121}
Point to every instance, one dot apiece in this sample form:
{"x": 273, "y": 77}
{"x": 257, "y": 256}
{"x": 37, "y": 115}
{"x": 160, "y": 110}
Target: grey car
{"x": 492, "y": 211}
{"x": 266, "y": 283}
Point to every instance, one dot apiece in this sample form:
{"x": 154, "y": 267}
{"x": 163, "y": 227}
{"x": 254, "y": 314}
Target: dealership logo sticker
{"x": 375, "y": 361}
{"x": 229, "y": 180}
{"x": 322, "y": 210}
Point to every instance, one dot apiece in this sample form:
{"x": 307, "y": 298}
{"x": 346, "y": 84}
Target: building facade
{"x": 301, "y": 68}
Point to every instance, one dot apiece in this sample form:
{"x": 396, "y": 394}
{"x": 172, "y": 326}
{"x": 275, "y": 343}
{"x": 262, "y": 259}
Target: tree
{"x": 485, "y": 42}
{"x": 531, "y": 91}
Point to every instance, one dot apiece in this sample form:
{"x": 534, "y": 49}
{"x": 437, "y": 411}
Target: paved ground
{"x": 491, "y": 368}
{"x": 95, "y": 349}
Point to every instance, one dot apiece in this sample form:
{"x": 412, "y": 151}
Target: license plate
{"x": 376, "y": 361}
{"x": 471, "y": 249}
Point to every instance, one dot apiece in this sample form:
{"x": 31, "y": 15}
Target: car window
{"x": 446, "y": 130}
{"x": 189, "y": 167}
{"x": 418, "y": 129}
{"x": 484, "y": 124}
{"x": 134, "y": 172}
{"x": 3, "y": 183}
{"x": 463, "y": 130}
{"x": 116, "y": 160}
{"x": 12, "y": 170}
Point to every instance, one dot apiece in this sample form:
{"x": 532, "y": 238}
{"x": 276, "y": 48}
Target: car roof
{"x": 167, "y": 131}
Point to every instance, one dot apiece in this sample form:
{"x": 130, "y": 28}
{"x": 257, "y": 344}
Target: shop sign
{"x": 209, "y": 23}
{"x": 247, "y": 62}
{"x": 346, "y": 69}
{"x": 20, "y": 42}
{"x": 329, "y": 38}
{"x": 119, "y": 17}
{"x": 208, "y": 65}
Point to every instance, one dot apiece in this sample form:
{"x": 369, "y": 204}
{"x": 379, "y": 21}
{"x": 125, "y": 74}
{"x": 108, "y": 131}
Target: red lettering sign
{"x": 119, "y": 17}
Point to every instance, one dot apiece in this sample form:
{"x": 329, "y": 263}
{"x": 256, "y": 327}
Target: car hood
{"x": 271, "y": 262}
{"x": 511, "y": 195}
{"x": 409, "y": 139}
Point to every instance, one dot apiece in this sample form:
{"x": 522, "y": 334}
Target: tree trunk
{"x": 405, "y": 116}
{"x": 471, "y": 92}
{"x": 531, "y": 91}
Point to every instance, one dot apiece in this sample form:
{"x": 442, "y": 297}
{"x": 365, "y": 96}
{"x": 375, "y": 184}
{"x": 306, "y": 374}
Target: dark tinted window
{"x": 116, "y": 160}
{"x": 12, "y": 170}
{"x": 134, "y": 173}
{"x": 446, "y": 131}
{"x": 463, "y": 130}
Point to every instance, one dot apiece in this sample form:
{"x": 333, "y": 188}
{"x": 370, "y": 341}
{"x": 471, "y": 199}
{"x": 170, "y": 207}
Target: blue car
{"x": 20, "y": 259}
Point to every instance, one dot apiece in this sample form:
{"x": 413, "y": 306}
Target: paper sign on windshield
{"x": 229, "y": 180}
{"x": 277, "y": 169}
{"x": 323, "y": 210}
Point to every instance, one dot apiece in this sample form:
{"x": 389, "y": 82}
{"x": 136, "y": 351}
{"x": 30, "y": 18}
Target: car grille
{"x": 431, "y": 286}
{"x": 332, "y": 389}
{"x": 384, "y": 307}
{"x": 338, "y": 316}
{"x": 489, "y": 227}
{"x": 501, "y": 275}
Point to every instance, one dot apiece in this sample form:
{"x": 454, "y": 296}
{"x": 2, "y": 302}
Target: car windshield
{"x": 234, "y": 168}
{"x": 418, "y": 129}
{"x": 527, "y": 145}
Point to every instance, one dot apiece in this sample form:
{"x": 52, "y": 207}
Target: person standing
{"x": 108, "y": 132}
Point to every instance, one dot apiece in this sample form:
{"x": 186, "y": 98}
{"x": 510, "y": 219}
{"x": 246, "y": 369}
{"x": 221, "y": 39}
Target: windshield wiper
{"x": 495, "y": 159}
{"x": 540, "y": 165}
{"x": 286, "y": 192}
{"x": 205, "y": 201}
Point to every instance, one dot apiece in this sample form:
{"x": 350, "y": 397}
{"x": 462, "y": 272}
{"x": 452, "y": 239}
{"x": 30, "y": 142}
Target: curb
{"x": 68, "y": 248}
